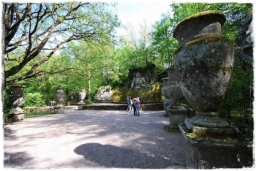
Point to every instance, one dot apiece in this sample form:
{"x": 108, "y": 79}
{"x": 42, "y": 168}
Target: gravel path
{"x": 93, "y": 139}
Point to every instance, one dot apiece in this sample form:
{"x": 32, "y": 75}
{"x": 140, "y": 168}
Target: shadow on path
{"x": 16, "y": 159}
{"x": 117, "y": 157}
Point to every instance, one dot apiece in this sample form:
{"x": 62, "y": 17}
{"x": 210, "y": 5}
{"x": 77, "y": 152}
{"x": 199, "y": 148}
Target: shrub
{"x": 88, "y": 102}
{"x": 34, "y": 99}
{"x": 6, "y": 105}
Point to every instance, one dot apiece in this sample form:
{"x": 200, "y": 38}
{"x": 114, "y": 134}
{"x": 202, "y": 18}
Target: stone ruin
{"x": 244, "y": 51}
{"x": 142, "y": 77}
{"x": 104, "y": 93}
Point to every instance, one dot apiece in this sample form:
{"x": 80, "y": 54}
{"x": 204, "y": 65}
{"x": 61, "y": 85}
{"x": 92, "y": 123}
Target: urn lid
{"x": 199, "y": 23}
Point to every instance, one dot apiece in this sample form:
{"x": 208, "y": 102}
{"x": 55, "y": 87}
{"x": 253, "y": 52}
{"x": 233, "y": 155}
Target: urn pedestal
{"x": 17, "y": 99}
{"x": 59, "y": 98}
{"x": 81, "y": 97}
{"x": 204, "y": 63}
{"x": 177, "y": 115}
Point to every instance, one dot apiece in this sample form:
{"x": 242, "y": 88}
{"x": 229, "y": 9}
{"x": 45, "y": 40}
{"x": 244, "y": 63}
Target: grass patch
{"x": 168, "y": 129}
{"x": 32, "y": 115}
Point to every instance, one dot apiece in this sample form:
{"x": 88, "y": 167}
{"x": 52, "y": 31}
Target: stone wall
{"x": 144, "y": 107}
{"x": 30, "y": 110}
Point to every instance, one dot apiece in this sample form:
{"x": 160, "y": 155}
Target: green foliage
{"x": 163, "y": 43}
{"x": 240, "y": 94}
{"x": 56, "y": 25}
{"x": 91, "y": 62}
{"x": 88, "y": 102}
{"x": 34, "y": 99}
{"x": 6, "y": 105}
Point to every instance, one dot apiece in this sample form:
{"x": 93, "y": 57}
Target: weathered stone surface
{"x": 104, "y": 94}
{"x": 213, "y": 158}
{"x": 222, "y": 151}
{"x": 204, "y": 63}
{"x": 207, "y": 22}
{"x": 59, "y": 107}
{"x": 17, "y": 99}
{"x": 204, "y": 68}
{"x": 167, "y": 103}
{"x": 177, "y": 115}
{"x": 17, "y": 117}
{"x": 142, "y": 77}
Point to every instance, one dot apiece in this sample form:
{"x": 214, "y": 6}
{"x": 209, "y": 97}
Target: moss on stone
{"x": 166, "y": 115}
{"x": 153, "y": 95}
{"x": 210, "y": 38}
{"x": 224, "y": 137}
{"x": 205, "y": 39}
{"x": 168, "y": 129}
{"x": 201, "y": 14}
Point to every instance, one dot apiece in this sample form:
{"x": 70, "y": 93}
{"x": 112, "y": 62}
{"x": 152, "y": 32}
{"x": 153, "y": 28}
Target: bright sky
{"x": 135, "y": 12}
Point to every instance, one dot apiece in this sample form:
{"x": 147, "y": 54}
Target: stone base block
{"x": 177, "y": 115}
{"x": 80, "y": 106}
{"x": 210, "y": 158}
{"x": 58, "y": 110}
{"x": 17, "y": 117}
{"x": 167, "y": 103}
{"x": 216, "y": 149}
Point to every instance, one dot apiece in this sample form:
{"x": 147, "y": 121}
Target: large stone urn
{"x": 204, "y": 63}
{"x": 81, "y": 97}
{"x": 60, "y": 101}
{"x": 17, "y": 99}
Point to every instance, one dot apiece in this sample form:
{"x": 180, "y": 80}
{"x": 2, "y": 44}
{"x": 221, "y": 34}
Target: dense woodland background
{"x": 74, "y": 45}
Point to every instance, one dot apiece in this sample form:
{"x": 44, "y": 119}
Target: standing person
{"x": 134, "y": 108}
{"x": 128, "y": 102}
{"x": 131, "y": 104}
{"x": 137, "y": 106}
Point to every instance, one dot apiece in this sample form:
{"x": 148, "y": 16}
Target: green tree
{"x": 163, "y": 43}
{"x": 33, "y": 32}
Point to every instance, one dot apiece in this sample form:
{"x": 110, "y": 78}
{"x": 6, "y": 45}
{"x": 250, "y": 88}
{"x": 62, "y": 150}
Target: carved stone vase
{"x": 173, "y": 95}
{"x": 81, "y": 97}
{"x": 167, "y": 101}
{"x": 60, "y": 101}
{"x": 204, "y": 63}
{"x": 170, "y": 89}
{"x": 17, "y": 99}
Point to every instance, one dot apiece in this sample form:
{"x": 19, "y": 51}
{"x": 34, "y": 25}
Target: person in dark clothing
{"x": 133, "y": 105}
{"x": 137, "y": 106}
